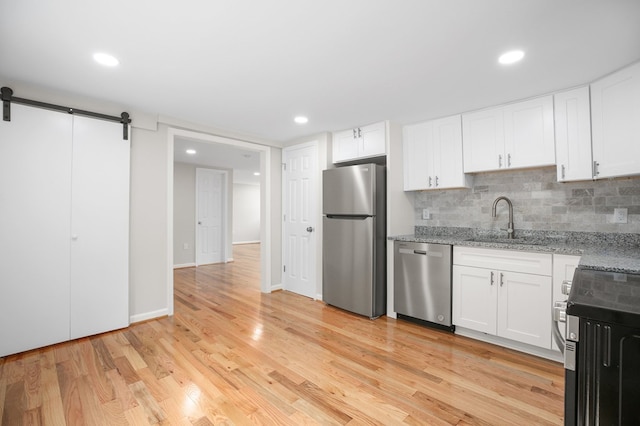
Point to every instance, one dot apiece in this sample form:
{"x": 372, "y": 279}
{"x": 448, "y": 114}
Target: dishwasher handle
{"x": 412, "y": 251}
{"x": 420, "y": 252}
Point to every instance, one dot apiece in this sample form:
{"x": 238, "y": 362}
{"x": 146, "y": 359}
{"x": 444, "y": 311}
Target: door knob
{"x": 309, "y": 229}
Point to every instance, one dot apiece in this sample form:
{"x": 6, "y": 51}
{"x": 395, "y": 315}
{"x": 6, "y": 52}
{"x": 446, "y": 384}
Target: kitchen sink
{"x": 505, "y": 241}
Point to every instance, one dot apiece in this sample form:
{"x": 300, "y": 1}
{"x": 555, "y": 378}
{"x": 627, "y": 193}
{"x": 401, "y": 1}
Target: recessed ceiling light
{"x": 301, "y": 119}
{"x": 256, "y": 173}
{"x": 511, "y": 57}
{"x": 191, "y": 151}
{"x": 106, "y": 59}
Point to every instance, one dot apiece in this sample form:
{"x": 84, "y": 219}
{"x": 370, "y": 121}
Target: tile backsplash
{"x": 539, "y": 203}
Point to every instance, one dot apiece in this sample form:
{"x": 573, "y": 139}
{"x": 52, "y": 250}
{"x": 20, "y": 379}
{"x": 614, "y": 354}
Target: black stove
{"x": 605, "y": 296}
{"x": 602, "y": 355}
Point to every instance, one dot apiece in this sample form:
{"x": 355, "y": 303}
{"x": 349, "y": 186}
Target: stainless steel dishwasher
{"x": 422, "y": 283}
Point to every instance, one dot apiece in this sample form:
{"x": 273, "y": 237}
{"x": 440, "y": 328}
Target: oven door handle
{"x": 559, "y": 314}
{"x": 557, "y": 337}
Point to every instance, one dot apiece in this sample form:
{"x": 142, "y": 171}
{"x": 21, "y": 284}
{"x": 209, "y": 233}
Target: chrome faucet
{"x": 493, "y": 214}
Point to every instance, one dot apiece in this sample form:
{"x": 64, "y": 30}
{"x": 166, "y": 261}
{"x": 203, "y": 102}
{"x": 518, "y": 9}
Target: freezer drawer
{"x": 351, "y": 279}
{"x": 422, "y": 281}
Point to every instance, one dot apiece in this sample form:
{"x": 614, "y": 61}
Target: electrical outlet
{"x": 425, "y": 214}
{"x": 185, "y": 246}
{"x": 620, "y": 215}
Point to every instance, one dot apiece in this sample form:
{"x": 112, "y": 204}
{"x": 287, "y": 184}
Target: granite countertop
{"x": 602, "y": 251}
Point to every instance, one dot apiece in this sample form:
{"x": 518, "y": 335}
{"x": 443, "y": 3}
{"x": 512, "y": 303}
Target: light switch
{"x": 425, "y": 214}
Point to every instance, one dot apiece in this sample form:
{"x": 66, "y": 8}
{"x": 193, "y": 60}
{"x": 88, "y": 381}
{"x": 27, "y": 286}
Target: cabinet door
{"x": 615, "y": 121}
{"x": 563, "y": 268}
{"x": 573, "y": 135}
{"x": 35, "y": 199}
{"x": 372, "y": 140}
{"x": 474, "y": 298}
{"x": 524, "y": 308}
{"x": 415, "y": 140}
{"x": 100, "y": 228}
{"x": 483, "y": 140}
{"x": 447, "y": 153}
{"x": 528, "y": 133}
{"x": 345, "y": 146}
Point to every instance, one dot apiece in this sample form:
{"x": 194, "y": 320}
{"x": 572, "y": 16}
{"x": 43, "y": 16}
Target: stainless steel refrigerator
{"x": 354, "y": 239}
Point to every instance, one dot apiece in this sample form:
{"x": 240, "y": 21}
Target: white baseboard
{"x": 246, "y": 242}
{"x": 511, "y": 344}
{"x": 148, "y": 315}
{"x": 276, "y": 287}
{"x": 230, "y": 259}
{"x": 184, "y": 265}
{"x": 319, "y": 297}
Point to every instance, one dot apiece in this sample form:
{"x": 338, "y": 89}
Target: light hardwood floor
{"x": 232, "y": 355}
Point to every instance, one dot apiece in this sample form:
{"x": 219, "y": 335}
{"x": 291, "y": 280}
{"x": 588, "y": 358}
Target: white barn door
{"x": 300, "y": 195}
{"x": 100, "y": 228}
{"x": 35, "y": 206}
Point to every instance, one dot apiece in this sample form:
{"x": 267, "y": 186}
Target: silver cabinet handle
{"x": 562, "y": 171}
{"x": 359, "y": 132}
{"x": 596, "y": 172}
{"x": 437, "y": 181}
{"x": 499, "y": 161}
{"x": 491, "y": 277}
{"x": 430, "y": 182}
{"x": 309, "y": 229}
{"x": 508, "y": 160}
{"x": 354, "y": 133}
{"x": 501, "y": 279}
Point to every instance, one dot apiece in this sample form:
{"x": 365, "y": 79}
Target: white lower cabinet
{"x": 503, "y": 293}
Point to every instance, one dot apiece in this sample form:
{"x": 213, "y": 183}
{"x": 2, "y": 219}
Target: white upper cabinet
{"x": 415, "y": 139}
{"x": 360, "y": 142}
{"x": 483, "y": 133}
{"x": 615, "y": 123}
{"x": 517, "y": 135}
{"x": 573, "y": 135}
{"x": 528, "y": 133}
{"x": 433, "y": 155}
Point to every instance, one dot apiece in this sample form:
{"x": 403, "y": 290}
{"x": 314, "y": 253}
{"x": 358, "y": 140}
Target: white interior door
{"x": 35, "y": 204}
{"x": 300, "y": 195}
{"x": 210, "y": 208}
{"x": 99, "y": 227}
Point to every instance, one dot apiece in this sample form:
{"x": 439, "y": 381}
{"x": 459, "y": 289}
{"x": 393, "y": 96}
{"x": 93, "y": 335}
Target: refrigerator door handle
{"x": 347, "y": 217}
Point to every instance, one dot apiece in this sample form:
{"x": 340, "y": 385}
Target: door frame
{"x": 265, "y": 204}
{"x": 224, "y": 214}
{"x": 318, "y": 213}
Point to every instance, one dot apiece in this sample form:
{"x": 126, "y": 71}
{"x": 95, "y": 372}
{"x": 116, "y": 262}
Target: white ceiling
{"x": 243, "y": 162}
{"x": 250, "y": 66}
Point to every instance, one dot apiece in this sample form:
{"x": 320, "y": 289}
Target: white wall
{"x": 149, "y": 267}
{"x": 184, "y": 202}
{"x": 400, "y": 220}
{"x": 246, "y": 213}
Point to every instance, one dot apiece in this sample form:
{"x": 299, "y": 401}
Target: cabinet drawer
{"x": 505, "y": 260}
